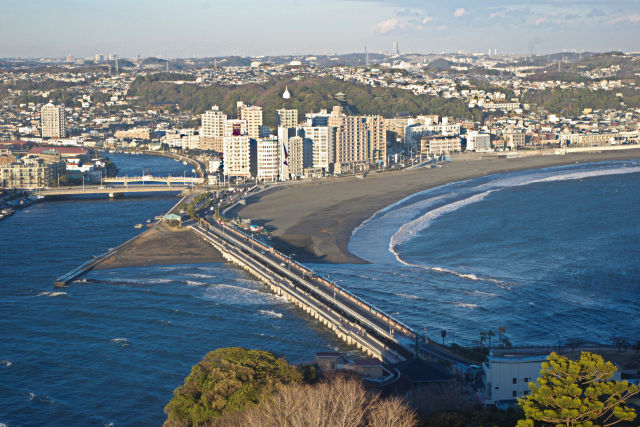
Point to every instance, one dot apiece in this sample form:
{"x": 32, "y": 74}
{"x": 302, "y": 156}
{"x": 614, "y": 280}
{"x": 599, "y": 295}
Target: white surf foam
{"x": 52, "y": 294}
{"x": 198, "y": 276}
{"x": 5, "y": 363}
{"x": 195, "y": 283}
{"x": 271, "y": 313}
{"x": 465, "y": 305}
{"x": 123, "y": 342}
{"x": 411, "y": 229}
{"x": 407, "y": 296}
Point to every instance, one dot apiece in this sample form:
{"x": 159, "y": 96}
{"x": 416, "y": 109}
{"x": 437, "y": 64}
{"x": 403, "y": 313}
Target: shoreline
{"x": 315, "y": 220}
{"x": 161, "y": 245}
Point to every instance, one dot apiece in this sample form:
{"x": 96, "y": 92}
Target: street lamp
{"x": 290, "y": 261}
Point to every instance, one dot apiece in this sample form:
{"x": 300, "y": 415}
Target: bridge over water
{"x": 112, "y": 191}
{"x": 168, "y": 180}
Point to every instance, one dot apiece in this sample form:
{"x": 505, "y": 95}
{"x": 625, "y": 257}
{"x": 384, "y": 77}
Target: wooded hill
{"x": 309, "y": 95}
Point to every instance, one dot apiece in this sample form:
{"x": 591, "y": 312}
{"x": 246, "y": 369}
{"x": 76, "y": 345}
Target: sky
{"x": 197, "y": 28}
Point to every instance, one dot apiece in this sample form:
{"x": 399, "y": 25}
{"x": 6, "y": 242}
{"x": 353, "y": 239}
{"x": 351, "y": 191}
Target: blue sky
{"x": 269, "y": 27}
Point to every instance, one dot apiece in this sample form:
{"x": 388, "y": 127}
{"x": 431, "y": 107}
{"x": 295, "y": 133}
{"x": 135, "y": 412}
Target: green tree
{"x": 577, "y": 393}
{"x": 225, "y": 381}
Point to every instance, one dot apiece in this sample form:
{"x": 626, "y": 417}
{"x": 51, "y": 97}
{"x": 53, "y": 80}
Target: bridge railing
{"x": 400, "y": 326}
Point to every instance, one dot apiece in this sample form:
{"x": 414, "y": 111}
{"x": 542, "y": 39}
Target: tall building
{"x": 212, "y": 129}
{"x": 287, "y": 118}
{"x": 268, "y": 159}
{"x": 235, "y": 127}
{"x": 253, "y": 116}
{"x": 52, "y": 121}
{"x": 396, "y": 52}
{"x": 352, "y": 143}
{"x": 317, "y": 119}
{"x": 291, "y": 158}
{"x": 377, "y": 140}
{"x": 237, "y": 156}
{"x": 322, "y": 145}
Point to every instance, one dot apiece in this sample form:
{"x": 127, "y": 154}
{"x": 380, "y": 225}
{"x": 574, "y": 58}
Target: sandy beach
{"x": 162, "y": 245}
{"x": 315, "y": 220}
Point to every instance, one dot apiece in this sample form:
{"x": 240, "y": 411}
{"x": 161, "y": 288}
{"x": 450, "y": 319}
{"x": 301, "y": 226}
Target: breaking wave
{"x": 465, "y": 305}
{"x": 123, "y": 342}
{"x": 411, "y": 229}
{"x": 52, "y": 294}
{"x": 271, "y": 313}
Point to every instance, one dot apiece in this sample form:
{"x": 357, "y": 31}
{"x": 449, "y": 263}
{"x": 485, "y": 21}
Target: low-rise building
{"x": 30, "y": 172}
{"x": 437, "y": 145}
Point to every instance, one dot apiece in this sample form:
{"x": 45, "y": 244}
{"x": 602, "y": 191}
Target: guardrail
{"x": 320, "y": 307}
{"x": 396, "y": 324}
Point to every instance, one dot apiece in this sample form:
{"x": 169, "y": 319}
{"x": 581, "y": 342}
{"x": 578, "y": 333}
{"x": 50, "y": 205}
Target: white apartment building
{"x": 291, "y": 158}
{"x": 187, "y": 139}
{"x": 322, "y": 145}
{"x": 237, "y": 156}
{"x": 287, "y": 118}
{"x": 253, "y": 116}
{"x": 235, "y": 127}
{"x": 52, "y": 121}
{"x": 480, "y": 142}
{"x": 268, "y": 159}
{"x": 212, "y": 129}
{"x": 213, "y": 123}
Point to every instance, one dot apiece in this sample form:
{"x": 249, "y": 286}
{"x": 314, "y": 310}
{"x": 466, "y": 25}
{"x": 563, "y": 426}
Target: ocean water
{"x": 552, "y": 255}
{"x": 111, "y": 352}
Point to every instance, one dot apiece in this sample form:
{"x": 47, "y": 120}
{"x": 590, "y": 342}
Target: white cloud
{"x": 386, "y": 26}
{"x": 634, "y": 19}
{"x": 461, "y": 11}
{"x": 442, "y": 27}
{"x": 540, "y": 21}
{"x": 427, "y": 19}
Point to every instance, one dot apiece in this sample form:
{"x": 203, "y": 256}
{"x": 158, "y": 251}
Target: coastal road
{"x": 397, "y": 336}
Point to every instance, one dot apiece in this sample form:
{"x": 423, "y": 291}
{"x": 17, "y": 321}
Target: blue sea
{"x": 551, "y": 255}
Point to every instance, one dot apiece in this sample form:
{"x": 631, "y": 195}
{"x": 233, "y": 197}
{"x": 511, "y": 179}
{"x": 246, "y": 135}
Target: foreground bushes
{"x": 337, "y": 402}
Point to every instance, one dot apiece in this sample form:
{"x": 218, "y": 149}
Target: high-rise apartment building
{"x": 212, "y": 129}
{"x": 317, "y": 119}
{"x": 322, "y": 145}
{"x": 236, "y": 156}
{"x": 52, "y": 121}
{"x": 253, "y": 116}
{"x": 287, "y": 118}
{"x": 377, "y": 140}
{"x": 268, "y": 159}
{"x": 235, "y": 127}
{"x": 352, "y": 141}
{"x": 291, "y": 158}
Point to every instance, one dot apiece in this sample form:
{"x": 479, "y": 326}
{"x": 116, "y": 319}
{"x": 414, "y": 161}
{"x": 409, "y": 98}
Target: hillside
{"x": 306, "y": 96}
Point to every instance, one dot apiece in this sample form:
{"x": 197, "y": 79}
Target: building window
{"x": 515, "y": 380}
{"x": 515, "y": 394}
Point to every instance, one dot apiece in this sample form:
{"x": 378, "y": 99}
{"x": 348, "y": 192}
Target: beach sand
{"x": 315, "y": 220}
{"x": 162, "y": 245}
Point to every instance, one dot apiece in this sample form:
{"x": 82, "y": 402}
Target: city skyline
{"x": 197, "y": 28}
